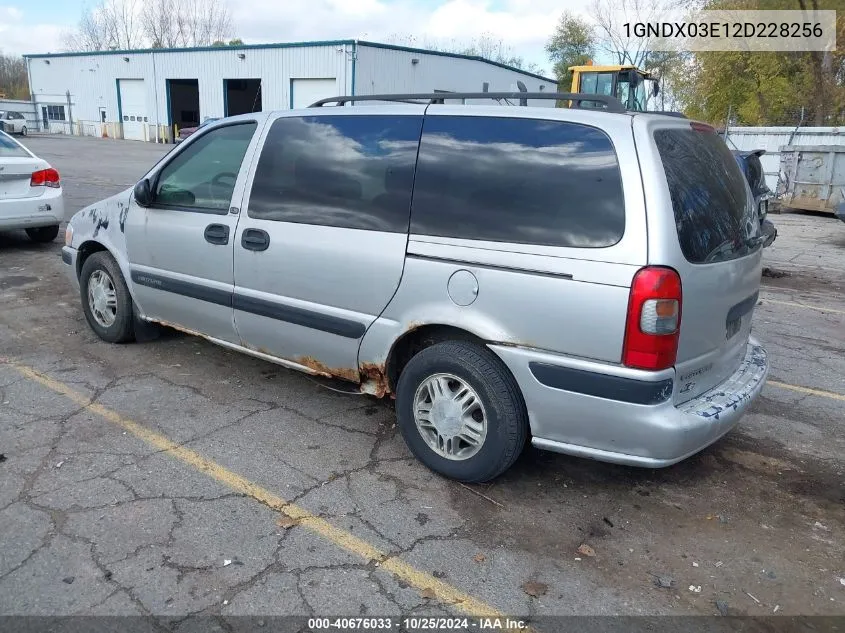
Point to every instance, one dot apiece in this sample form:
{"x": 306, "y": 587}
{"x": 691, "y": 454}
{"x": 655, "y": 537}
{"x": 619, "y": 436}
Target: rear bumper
{"x": 47, "y": 209}
{"x": 624, "y": 416}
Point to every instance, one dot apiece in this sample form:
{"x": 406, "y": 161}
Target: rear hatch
{"x": 16, "y": 168}
{"x": 717, "y": 253}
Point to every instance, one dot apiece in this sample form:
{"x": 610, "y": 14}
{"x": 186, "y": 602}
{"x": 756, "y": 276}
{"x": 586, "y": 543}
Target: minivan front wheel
{"x": 105, "y": 298}
{"x": 461, "y": 412}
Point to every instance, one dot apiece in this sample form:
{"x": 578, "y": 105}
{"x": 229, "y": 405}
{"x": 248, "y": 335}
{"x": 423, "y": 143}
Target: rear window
{"x": 8, "y": 148}
{"x": 516, "y": 180}
{"x": 713, "y": 213}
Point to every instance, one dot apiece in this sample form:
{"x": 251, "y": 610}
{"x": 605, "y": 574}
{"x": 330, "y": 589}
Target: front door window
{"x": 202, "y": 177}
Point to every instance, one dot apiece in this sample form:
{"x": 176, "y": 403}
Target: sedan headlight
{"x": 69, "y": 235}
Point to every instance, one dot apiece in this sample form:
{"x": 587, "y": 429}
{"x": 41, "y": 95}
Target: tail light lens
{"x": 654, "y": 319}
{"x": 45, "y": 178}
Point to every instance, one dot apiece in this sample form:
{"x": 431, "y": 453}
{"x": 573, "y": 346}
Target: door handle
{"x": 217, "y": 234}
{"x": 255, "y": 240}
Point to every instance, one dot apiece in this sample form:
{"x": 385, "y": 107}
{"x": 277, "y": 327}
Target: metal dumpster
{"x": 812, "y": 177}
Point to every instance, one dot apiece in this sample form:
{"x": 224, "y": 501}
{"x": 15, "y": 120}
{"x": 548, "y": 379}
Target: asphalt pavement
{"x": 175, "y": 477}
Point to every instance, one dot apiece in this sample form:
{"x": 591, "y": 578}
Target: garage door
{"x": 304, "y": 92}
{"x": 133, "y": 108}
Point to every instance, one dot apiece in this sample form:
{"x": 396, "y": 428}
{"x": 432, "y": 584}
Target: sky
{"x": 524, "y": 25}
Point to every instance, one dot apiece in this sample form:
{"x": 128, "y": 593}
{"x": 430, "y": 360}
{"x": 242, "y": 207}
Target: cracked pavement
{"x": 94, "y": 520}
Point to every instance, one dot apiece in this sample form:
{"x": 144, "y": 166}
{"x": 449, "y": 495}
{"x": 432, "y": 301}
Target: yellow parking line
{"x": 814, "y": 392}
{"x": 803, "y": 305}
{"x": 414, "y": 577}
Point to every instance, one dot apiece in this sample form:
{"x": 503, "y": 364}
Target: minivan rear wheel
{"x": 461, "y": 412}
{"x": 105, "y": 299}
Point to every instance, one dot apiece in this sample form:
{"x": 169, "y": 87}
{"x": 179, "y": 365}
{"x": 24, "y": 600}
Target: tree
{"x": 159, "y": 23}
{"x": 488, "y": 47}
{"x": 111, "y": 25}
{"x": 573, "y": 43}
{"x": 485, "y": 45}
{"x": 13, "y": 78}
{"x": 767, "y": 88}
{"x": 201, "y": 22}
{"x": 132, "y": 24}
{"x": 180, "y": 23}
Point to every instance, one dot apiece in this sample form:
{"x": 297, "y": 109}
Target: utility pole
{"x": 69, "y": 112}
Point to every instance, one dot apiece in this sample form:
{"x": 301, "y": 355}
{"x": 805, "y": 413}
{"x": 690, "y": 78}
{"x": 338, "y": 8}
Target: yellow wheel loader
{"x": 625, "y": 82}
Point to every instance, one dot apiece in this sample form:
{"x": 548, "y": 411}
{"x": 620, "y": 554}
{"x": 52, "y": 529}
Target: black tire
{"x": 43, "y": 234}
{"x": 506, "y": 415}
{"x": 23, "y": 131}
{"x": 121, "y": 330}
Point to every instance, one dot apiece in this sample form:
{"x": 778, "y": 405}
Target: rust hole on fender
{"x": 374, "y": 380}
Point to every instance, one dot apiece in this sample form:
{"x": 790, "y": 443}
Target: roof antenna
{"x": 522, "y": 88}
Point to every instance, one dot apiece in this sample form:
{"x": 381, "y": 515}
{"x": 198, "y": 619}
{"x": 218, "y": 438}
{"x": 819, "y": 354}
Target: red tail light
{"x": 45, "y": 178}
{"x": 654, "y": 319}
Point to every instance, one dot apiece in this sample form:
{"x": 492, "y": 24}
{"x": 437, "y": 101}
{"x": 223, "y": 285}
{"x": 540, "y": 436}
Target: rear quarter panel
{"x": 710, "y": 291}
{"x": 571, "y": 301}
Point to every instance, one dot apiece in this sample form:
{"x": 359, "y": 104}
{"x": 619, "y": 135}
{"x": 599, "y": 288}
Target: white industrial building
{"x": 145, "y": 94}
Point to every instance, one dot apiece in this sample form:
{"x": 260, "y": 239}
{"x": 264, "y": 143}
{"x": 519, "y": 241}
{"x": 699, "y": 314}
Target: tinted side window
{"x": 518, "y": 180}
{"x": 348, "y": 171}
{"x": 202, "y": 176}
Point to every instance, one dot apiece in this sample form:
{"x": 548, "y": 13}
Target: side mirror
{"x": 143, "y": 193}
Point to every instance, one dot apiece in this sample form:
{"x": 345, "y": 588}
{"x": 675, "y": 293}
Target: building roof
{"x": 422, "y": 51}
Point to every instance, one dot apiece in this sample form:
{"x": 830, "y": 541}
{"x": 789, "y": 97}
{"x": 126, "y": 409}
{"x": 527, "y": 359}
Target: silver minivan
{"x": 582, "y": 276}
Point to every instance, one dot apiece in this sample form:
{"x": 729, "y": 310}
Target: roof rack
{"x": 611, "y": 104}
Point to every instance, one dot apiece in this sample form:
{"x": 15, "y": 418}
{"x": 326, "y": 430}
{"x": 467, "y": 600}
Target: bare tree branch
{"x": 132, "y": 24}
{"x": 610, "y": 15}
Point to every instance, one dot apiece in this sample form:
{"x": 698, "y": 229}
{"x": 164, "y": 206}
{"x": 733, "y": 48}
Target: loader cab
{"x": 632, "y": 86}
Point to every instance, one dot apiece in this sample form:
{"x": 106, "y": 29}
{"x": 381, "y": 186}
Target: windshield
{"x": 632, "y": 97}
{"x": 711, "y": 200}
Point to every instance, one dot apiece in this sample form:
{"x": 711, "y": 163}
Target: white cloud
{"x": 523, "y": 25}
{"x": 17, "y": 37}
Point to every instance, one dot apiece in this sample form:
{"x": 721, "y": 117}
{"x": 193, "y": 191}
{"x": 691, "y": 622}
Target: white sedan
{"x": 30, "y": 192}
{"x": 12, "y": 122}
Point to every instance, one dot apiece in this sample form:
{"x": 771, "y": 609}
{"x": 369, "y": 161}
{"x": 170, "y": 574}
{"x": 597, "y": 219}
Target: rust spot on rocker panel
{"x": 344, "y": 373}
{"x": 174, "y": 326}
{"x": 371, "y": 377}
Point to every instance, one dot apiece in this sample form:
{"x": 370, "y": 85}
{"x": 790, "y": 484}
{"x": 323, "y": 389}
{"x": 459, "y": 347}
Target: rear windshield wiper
{"x": 754, "y": 242}
{"x": 725, "y": 248}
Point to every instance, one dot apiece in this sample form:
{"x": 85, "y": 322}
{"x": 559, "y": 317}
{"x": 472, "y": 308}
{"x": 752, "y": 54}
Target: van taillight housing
{"x": 45, "y": 178}
{"x": 654, "y": 319}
